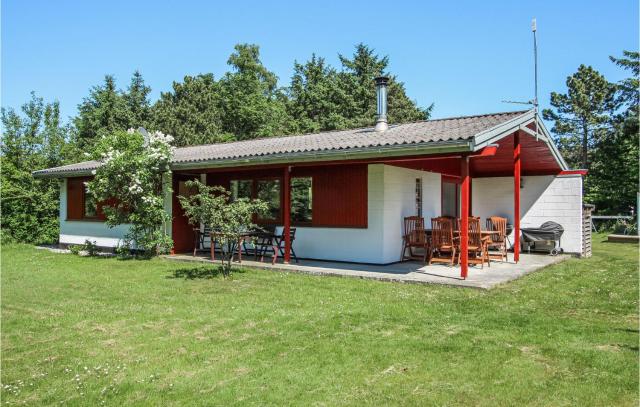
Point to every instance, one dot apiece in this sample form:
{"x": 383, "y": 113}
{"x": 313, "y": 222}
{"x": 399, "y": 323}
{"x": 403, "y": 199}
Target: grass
{"x": 94, "y": 331}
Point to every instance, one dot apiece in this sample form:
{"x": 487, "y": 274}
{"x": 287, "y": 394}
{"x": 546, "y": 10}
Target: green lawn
{"x": 90, "y": 331}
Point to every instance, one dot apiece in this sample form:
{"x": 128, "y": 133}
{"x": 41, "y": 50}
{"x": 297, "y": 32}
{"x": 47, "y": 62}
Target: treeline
{"x": 246, "y": 102}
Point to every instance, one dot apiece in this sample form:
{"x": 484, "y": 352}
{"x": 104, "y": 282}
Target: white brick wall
{"x": 399, "y": 202}
{"x": 543, "y": 198}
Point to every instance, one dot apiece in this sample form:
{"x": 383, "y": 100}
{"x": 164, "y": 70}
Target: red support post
{"x": 464, "y": 217}
{"x": 516, "y": 196}
{"x": 287, "y": 213}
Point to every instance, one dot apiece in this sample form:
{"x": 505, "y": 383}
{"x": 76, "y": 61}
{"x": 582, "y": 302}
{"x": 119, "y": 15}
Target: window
{"x": 450, "y": 199}
{"x": 268, "y": 190}
{"x": 419, "y": 197}
{"x": 242, "y": 188}
{"x": 301, "y": 200}
{"x": 81, "y": 205}
{"x": 90, "y": 204}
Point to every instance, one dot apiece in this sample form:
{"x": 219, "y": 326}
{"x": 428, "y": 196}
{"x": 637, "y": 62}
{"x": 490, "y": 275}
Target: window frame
{"x": 99, "y": 216}
{"x": 279, "y": 219}
{"x": 446, "y": 179}
{"x": 252, "y": 189}
{"x": 419, "y": 196}
{"x": 297, "y": 222}
{"x": 254, "y": 195}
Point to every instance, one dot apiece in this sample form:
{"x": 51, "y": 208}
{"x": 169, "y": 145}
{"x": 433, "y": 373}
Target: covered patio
{"x": 406, "y": 272}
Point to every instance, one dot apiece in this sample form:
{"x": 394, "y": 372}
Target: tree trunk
{"x": 585, "y": 147}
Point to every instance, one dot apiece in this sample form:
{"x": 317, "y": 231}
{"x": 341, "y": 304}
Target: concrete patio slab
{"x": 407, "y": 272}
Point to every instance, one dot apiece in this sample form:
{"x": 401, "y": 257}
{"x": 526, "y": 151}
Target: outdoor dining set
{"x": 441, "y": 242}
{"x": 258, "y": 243}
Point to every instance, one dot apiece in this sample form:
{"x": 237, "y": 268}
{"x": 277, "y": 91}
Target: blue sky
{"x": 464, "y": 56}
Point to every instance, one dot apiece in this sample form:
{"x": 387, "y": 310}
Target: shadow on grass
{"x": 200, "y": 272}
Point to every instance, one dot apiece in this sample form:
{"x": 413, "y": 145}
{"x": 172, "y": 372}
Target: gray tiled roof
{"x": 417, "y": 133}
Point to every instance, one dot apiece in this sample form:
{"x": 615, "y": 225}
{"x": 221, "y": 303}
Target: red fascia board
{"x": 488, "y": 151}
{"x": 574, "y": 172}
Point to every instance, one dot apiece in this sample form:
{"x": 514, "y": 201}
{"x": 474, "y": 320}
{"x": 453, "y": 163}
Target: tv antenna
{"x": 533, "y": 102}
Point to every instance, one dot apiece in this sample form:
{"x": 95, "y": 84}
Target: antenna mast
{"x": 534, "y": 28}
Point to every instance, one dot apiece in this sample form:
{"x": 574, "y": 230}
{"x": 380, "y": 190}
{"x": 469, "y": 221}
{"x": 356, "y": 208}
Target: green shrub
{"x": 89, "y": 247}
{"x": 75, "y": 249}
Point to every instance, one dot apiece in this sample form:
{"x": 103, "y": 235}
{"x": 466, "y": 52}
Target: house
{"x": 352, "y": 188}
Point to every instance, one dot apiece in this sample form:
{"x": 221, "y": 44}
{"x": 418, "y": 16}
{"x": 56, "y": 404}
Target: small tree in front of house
{"x": 130, "y": 182}
{"x": 228, "y": 219}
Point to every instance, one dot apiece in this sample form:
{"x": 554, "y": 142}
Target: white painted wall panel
{"x": 77, "y": 232}
{"x": 391, "y": 197}
{"x": 399, "y": 190}
{"x": 349, "y": 244}
{"x": 543, "y": 198}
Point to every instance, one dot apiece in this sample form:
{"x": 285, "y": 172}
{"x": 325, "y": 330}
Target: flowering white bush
{"x": 130, "y": 184}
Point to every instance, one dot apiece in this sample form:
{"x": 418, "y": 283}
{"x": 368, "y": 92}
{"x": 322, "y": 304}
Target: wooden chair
{"x": 414, "y": 237}
{"x": 498, "y": 240}
{"x": 278, "y": 246}
{"x": 477, "y": 244}
{"x": 443, "y": 246}
{"x": 199, "y": 238}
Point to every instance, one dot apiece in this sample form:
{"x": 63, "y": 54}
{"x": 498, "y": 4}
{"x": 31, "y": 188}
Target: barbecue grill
{"x": 548, "y": 233}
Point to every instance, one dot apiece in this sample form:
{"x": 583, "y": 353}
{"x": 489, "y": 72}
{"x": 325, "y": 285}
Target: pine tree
{"x": 322, "y": 98}
{"x": 104, "y": 111}
{"x": 191, "y": 112}
{"x": 316, "y": 99}
{"x": 137, "y": 98}
{"x": 581, "y": 113}
{"x": 251, "y": 103}
{"x": 613, "y": 176}
{"x": 357, "y": 80}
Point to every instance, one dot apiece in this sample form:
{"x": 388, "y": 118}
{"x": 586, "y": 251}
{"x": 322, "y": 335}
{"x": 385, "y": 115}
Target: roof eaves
{"x": 330, "y": 155}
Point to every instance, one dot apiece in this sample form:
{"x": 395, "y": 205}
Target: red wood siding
{"x": 339, "y": 192}
{"x": 339, "y": 196}
{"x": 75, "y": 201}
{"x": 75, "y": 198}
{"x": 181, "y": 230}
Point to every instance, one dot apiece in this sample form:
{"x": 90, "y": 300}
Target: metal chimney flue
{"x": 381, "y": 95}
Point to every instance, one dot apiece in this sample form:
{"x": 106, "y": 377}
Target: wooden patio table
{"x": 239, "y": 244}
{"x": 428, "y": 232}
{"x": 484, "y": 233}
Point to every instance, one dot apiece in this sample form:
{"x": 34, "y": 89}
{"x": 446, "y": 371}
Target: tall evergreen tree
{"x": 108, "y": 109}
{"x": 316, "y": 100}
{"x": 581, "y": 114}
{"x": 137, "y": 98}
{"x": 251, "y": 103}
{"x": 322, "y": 98}
{"x": 191, "y": 112}
{"x": 357, "y": 79}
{"x": 104, "y": 111}
{"x": 628, "y": 88}
{"x": 613, "y": 176}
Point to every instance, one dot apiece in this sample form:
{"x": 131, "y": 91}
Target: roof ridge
{"x": 473, "y": 115}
